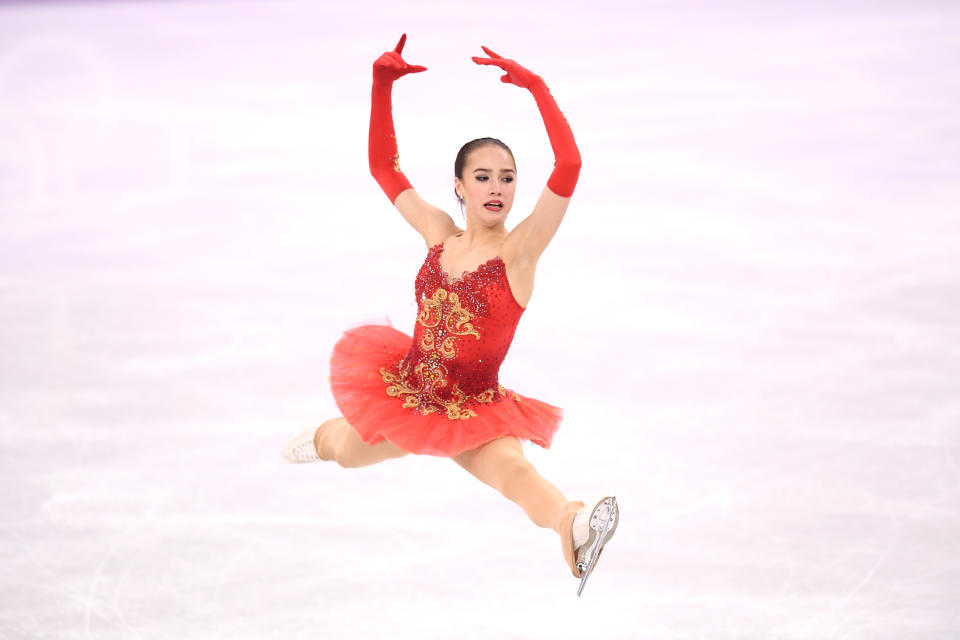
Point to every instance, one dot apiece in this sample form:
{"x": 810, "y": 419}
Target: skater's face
{"x": 489, "y": 182}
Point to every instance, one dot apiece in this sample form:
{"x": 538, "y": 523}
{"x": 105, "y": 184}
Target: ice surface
{"x": 751, "y": 316}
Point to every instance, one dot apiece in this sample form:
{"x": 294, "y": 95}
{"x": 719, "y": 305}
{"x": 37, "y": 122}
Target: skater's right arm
{"x": 432, "y": 223}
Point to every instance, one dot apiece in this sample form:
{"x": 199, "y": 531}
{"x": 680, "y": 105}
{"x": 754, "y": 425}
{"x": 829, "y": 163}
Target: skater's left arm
{"x": 534, "y": 233}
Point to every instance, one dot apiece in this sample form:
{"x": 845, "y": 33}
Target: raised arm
{"x": 534, "y": 233}
{"x": 431, "y": 222}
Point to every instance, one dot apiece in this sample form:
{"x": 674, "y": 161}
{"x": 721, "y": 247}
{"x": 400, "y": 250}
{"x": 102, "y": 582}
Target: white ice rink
{"x": 751, "y": 317}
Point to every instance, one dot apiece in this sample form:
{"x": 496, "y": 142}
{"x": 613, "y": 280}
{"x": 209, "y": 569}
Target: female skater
{"x": 437, "y": 393}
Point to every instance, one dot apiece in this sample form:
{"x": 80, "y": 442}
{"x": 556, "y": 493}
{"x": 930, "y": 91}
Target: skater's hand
{"x": 391, "y": 66}
{"x": 515, "y": 74}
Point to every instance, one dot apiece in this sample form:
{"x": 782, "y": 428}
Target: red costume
{"x": 438, "y": 393}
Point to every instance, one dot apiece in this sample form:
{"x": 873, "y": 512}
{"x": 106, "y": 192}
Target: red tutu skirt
{"x": 361, "y": 395}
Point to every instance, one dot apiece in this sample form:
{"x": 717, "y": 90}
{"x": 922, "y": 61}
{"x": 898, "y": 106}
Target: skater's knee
{"x": 353, "y": 452}
{"x": 505, "y": 470}
{"x": 334, "y": 423}
{"x": 332, "y": 439}
{"x": 515, "y": 475}
{"x": 495, "y": 462}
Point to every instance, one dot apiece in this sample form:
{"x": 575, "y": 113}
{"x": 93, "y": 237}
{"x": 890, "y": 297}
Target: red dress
{"x": 437, "y": 393}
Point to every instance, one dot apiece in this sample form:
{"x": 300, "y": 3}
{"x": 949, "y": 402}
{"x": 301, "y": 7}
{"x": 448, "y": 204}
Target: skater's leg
{"x": 336, "y": 439}
{"x": 502, "y": 465}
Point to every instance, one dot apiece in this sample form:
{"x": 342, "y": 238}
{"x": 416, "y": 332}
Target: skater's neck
{"x": 476, "y": 240}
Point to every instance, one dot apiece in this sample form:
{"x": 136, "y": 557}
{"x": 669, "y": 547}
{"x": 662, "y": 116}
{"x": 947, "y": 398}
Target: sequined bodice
{"x": 463, "y": 330}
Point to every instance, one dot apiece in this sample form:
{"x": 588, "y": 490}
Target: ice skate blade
{"x": 603, "y": 522}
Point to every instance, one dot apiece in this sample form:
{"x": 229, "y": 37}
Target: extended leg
{"x": 336, "y": 439}
{"x": 502, "y": 465}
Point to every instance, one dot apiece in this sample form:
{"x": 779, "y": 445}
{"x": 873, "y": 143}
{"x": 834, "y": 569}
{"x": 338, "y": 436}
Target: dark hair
{"x": 467, "y": 149}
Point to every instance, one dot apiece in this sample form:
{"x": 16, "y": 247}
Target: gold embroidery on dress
{"x": 446, "y": 348}
{"x": 443, "y": 307}
{"x": 485, "y": 396}
{"x": 503, "y": 392}
{"x": 458, "y": 321}
{"x": 397, "y": 388}
{"x": 430, "y": 308}
{"x": 428, "y": 342}
{"x": 435, "y": 378}
{"x": 455, "y": 410}
{"x": 457, "y": 318}
{"x": 412, "y": 396}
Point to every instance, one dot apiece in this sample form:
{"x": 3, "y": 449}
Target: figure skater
{"x": 438, "y": 393}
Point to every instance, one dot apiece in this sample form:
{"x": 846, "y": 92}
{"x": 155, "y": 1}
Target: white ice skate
{"x": 593, "y": 526}
{"x": 301, "y": 448}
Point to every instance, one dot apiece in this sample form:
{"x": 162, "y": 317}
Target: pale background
{"x": 751, "y": 317}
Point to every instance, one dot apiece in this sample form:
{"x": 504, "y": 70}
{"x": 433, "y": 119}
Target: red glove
{"x": 566, "y": 167}
{"x": 382, "y": 145}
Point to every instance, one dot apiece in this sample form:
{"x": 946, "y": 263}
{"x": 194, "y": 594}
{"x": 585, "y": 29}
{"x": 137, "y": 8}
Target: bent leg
{"x": 502, "y": 465}
{"x": 336, "y": 439}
